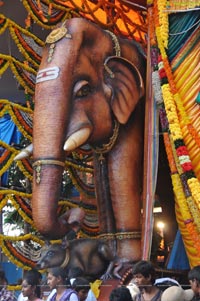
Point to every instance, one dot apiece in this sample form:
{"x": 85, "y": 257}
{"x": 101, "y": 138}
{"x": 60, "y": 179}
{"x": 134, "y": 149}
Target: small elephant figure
{"x": 90, "y": 258}
{"x": 89, "y": 90}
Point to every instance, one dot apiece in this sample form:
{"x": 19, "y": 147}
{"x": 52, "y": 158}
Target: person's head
{"x": 75, "y": 272}
{"x": 31, "y": 284}
{"x": 82, "y": 287}
{"x": 194, "y": 279}
{"x": 3, "y": 280}
{"x": 56, "y": 277}
{"x": 143, "y": 273}
{"x": 35, "y": 274}
{"x": 176, "y": 293}
{"x": 121, "y": 293}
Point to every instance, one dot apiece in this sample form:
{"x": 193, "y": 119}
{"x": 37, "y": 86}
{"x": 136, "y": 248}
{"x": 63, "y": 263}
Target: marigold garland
{"x": 173, "y": 103}
{"x": 3, "y": 24}
{"x": 17, "y": 33}
{"x": 22, "y": 127}
{"x": 13, "y": 255}
{"x": 17, "y": 110}
{"x": 87, "y": 190}
{"x": 26, "y": 169}
{"x": 14, "y": 287}
{"x": 38, "y": 16}
{"x": 88, "y": 10}
{"x": 163, "y": 21}
{"x": 4, "y": 64}
{"x": 7, "y": 163}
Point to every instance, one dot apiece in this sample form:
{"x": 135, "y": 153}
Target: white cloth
{"x": 21, "y": 297}
{"x": 134, "y": 290}
{"x": 165, "y": 279}
{"x": 51, "y": 294}
{"x": 73, "y": 297}
{"x": 90, "y": 296}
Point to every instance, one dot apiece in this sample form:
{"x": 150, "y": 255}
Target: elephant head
{"x": 87, "y": 87}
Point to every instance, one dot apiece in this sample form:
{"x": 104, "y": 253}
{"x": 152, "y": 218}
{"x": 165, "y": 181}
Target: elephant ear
{"x": 127, "y": 85}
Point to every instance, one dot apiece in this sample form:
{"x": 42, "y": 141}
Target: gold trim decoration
{"x": 128, "y": 235}
{"x": 57, "y": 34}
{"x": 117, "y": 52}
{"x": 107, "y": 236}
{"x": 116, "y": 43}
{"x": 121, "y": 235}
{"x": 105, "y": 148}
{"x": 37, "y": 166}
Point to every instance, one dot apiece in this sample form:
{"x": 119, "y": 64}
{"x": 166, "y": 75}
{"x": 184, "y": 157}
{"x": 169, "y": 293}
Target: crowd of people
{"x": 143, "y": 286}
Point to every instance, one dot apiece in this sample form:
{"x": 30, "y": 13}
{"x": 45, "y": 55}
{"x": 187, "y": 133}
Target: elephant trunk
{"x": 49, "y": 133}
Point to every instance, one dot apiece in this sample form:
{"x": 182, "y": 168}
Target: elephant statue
{"x": 89, "y": 90}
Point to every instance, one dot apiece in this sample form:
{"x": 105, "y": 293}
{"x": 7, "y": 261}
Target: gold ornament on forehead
{"x": 57, "y": 34}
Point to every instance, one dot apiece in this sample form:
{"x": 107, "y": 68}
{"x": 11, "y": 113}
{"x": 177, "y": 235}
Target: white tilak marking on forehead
{"x": 47, "y": 74}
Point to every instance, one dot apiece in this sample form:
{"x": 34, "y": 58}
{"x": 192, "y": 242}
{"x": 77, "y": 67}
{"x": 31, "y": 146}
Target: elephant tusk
{"x": 25, "y": 153}
{"x": 77, "y": 139}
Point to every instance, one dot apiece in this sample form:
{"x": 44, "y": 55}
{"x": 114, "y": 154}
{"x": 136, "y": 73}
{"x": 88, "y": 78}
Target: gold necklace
{"x": 105, "y": 148}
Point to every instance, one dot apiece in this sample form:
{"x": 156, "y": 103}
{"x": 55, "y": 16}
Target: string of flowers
{"x": 5, "y": 157}
{"x": 25, "y": 43}
{"x": 38, "y": 16}
{"x": 11, "y": 157}
{"x": 25, "y": 168}
{"x": 21, "y": 210}
{"x": 88, "y": 191}
{"x": 79, "y": 167}
{"x": 16, "y": 198}
{"x": 4, "y": 64}
{"x": 21, "y": 126}
{"x": 25, "y": 237}
{"x": 12, "y": 61}
{"x": 25, "y": 48}
{"x": 163, "y": 21}
{"x": 20, "y": 118}
{"x": 171, "y": 98}
{"x": 26, "y": 80}
{"x": 14, "y": 111}
{"x": 182, "y": 5}
{"x": 3, "y": 23}
{"x": 24, "y": 204}
{"x": 11, "y": 192}
{"x": 14, "y": 287}
{"x": 191, "y": 209}
{"x": 9, "y": 105}
{"x": 14, "y": 256}
{"x": 87, "y": 9}
{"x": 156, "y": 82}
{"x": 69, "y": 203}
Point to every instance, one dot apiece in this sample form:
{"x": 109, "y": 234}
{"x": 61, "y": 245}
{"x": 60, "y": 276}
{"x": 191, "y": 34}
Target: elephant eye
{"x": 50, "y": 254}
{"x": 82, "y": 89}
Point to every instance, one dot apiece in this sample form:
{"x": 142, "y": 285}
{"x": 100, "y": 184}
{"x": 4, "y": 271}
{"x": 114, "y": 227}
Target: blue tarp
{"x": 178, "y": 258}
{"x": 13, "y": 273}
{"x": 9, "y": 134}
